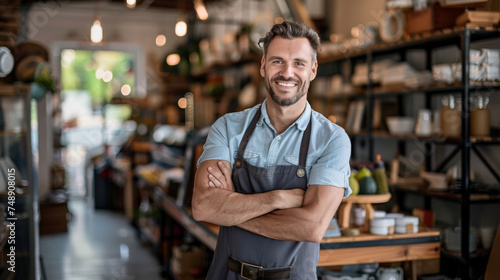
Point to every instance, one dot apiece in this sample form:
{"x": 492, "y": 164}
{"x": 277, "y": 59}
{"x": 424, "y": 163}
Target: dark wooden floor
{"x": 99, "y": 245}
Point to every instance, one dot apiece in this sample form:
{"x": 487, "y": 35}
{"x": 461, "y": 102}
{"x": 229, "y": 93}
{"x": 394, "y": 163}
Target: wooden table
{"x": 336, "y": 251}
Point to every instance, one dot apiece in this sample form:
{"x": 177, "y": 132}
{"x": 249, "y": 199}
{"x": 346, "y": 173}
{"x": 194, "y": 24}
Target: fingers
{"x": 217, "y": 180}
{"x": 225, "y": 169}
{"x": 220, "y": 177}
{"x": 213, "y": 182}
{"x": 216, "y": 173}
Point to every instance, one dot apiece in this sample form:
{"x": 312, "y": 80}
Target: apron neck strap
{"x": 304, "y": 146}
{"x": 248, "y": 134}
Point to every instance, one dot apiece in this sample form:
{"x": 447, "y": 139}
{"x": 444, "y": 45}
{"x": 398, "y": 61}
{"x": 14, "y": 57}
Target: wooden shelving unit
{"x": 462, "y": 38}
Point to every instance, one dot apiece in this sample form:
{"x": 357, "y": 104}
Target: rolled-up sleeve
{"x": 332, "y": 167}
{"x": 216, "y": 146}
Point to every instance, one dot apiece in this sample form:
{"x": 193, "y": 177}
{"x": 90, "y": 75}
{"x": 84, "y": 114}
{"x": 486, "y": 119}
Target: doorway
{"x": 90, "y": 78}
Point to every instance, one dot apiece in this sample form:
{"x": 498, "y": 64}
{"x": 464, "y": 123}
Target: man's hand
{"x": 292, "y": 198}
{"x": 216, "y": 201}
{"x": 221, "y": 177}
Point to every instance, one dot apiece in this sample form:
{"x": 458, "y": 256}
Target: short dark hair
{"x": 290, "y": 30}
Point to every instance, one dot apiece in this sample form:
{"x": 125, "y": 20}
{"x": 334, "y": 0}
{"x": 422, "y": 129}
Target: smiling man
{"x": 273, "y": 176}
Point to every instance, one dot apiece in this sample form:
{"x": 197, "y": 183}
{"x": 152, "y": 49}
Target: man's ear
{"x": 314, "y": 70}
{"x": 262, "y": 66}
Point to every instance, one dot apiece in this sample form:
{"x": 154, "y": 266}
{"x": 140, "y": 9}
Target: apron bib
{"x": 244, "y": 246}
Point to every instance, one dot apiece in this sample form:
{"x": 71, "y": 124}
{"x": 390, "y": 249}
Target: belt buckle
{"x": 248, "y": 264}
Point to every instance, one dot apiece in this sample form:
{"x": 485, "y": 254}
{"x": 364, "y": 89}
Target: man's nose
{"x": 287, "y": 70}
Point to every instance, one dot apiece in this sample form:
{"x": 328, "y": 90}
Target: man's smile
{"x": 286, "y": 84}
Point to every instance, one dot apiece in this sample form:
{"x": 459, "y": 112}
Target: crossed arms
{"x": 280, "y": 214}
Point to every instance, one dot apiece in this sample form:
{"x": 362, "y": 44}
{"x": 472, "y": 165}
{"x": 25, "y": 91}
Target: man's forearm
{"x": 221, "y": 205}
{"x": 308, "y": 223}
{"x": 226, "y": 208}
{"x": 287, "y": 224}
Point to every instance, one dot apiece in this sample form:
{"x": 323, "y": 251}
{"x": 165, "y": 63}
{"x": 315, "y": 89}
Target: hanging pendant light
{"x": 161, "y": 40}
{"x": 201, "y": 10}
{"x": 181, "y": 28}
{"x": 96, "y": 29}
{"x": 181, "y": 25}
{"x": 130, "y": 3}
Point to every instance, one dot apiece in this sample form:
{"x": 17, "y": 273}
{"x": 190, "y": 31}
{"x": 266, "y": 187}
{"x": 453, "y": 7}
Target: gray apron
{"x": 244, "y": 246}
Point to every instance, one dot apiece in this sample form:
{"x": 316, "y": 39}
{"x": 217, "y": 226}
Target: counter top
{"x": 364, "y": 248}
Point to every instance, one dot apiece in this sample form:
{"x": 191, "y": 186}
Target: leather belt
{"x": 255, "y": 272}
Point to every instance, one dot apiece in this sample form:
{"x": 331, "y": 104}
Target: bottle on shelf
{"x": 380, "y": 176}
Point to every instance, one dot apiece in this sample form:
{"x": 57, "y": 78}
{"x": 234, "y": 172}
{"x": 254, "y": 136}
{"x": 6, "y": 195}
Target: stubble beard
{"x": 286, "y": 101}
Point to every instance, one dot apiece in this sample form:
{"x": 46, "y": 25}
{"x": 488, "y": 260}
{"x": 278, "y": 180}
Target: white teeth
{"x": 286, "y": 84}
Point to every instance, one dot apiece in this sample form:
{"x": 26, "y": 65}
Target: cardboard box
{"x": 433, "y": 18}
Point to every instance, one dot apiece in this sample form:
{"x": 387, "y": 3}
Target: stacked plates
{"x": 382, "y": 226}
{"x": 453, "y": 237}
{"x": 403, "y": 224}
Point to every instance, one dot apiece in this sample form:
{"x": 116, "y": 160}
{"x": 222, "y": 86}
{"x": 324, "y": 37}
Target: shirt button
{"x": 278, "y": 138}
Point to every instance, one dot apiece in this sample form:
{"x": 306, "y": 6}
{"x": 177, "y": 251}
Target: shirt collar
{"x": 301, "y": 122}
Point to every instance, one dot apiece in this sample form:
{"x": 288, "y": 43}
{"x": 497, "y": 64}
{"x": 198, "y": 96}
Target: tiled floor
{"x": 99, "y": 245}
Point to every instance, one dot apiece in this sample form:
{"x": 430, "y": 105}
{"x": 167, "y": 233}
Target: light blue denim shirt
{"x": 329, "y": 148}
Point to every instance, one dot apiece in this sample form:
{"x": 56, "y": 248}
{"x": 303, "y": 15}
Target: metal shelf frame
{"x": 462, "y": 38}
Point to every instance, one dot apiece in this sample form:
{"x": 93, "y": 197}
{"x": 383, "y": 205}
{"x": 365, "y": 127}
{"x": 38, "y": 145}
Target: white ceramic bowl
{"x": 400, "y": 125}
{"x": 402, "y": 222}
{"x": 382, "y": 226}
{"x": 394, "y": 215}
{"x": 383, "y": 222}
{"x": 378, "y": 214}
{"x": 379, "y": 230}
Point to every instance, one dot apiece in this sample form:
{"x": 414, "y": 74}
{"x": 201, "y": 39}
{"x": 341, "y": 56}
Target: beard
{"x": 286, "y": 101}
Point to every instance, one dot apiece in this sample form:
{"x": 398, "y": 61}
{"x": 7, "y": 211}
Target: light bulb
{"x": 96, "y": 32}
{"x": 130, "y": 3}
{"x": 161, "y": 40}
{"x": 173, "y": 59}
{"x": 126, "y": 90}
{"x": 180, "y": 28}
{"x": 201, "y": 10}
{"x": 107, "y": 76}
{"x": 182, "y": 102}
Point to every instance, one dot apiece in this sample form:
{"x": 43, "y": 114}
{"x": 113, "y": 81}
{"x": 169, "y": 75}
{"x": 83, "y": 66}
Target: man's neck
{"x": 282, "y": 117}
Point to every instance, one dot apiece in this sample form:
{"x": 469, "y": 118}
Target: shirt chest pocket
{"x": 251, "y": 157}
{"x": 294, "y": 160}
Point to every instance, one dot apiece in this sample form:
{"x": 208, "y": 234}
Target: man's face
{"x": 288, "y": 69}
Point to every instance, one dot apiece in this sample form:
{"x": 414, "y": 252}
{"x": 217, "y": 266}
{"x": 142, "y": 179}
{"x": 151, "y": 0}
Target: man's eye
{"x": 278, "y": 61}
